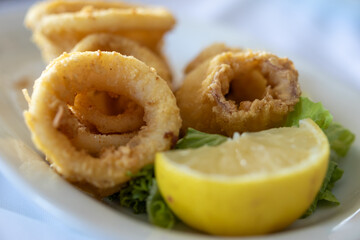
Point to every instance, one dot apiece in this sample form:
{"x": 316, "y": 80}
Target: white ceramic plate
{"x": 20, "y": 65}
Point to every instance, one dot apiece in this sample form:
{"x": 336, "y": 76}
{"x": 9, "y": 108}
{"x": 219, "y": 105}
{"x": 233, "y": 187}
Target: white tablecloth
{"x": 324, "y": 33}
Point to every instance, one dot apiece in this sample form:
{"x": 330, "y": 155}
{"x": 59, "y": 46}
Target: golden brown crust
{"x": 237, "y": 92}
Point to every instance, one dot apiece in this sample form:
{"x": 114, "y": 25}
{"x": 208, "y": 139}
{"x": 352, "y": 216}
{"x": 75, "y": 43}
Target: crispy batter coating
{"x": 128, "y": 47}
{"x": 52, "y": 123}
{"x": 84, "y": 137}
{"x": 208, "y": 53}
{"x": 238, "y": 92}
{"x": 59, "y": 25}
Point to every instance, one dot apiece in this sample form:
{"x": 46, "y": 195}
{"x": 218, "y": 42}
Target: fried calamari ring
{"x": 238, "y": 92}
{"x": 110, "y": 72}
{"x": 108, "y": 114}
{"x": 111, "y": 42}
{"x": 58, "y": 26}
{"x": 208, "y": 53}
{"x": 131, "y": 117}
{"x": 42, "y": 9}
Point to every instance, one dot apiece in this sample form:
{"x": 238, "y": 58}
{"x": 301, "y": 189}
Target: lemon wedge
{"x": 255, "y": 183}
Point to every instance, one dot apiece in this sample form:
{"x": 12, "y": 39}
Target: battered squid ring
{"x": 85, "y": 107}
{"x": 58, "y": 26}
{"x": 42, "y": 9}
{"x": 108, "y": 72}
{"x": 128, "y": 47}
{"x": 238, "y": 92}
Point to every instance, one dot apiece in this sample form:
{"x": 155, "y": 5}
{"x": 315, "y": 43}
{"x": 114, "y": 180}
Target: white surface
{"x": 36, "y": 200}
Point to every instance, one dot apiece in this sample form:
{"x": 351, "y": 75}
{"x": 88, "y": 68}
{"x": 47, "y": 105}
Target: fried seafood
{"x": 42, "y": 9}
{"x": 72, "y": 148}
{"x": 92, "y": 108}
{"x": 111, "y": 42}
{"x": 208, "y": 53}
{"x": 238, "y": 91}
{"x": 59, "y": 25}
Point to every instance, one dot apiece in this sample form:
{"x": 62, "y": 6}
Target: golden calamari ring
{"x": 238, "y": 92}
{"x": 110, "y": 72}
{"x": 45, "y": 8}
{"x": 130, "y": 118}
{"x": 59, "y": 25}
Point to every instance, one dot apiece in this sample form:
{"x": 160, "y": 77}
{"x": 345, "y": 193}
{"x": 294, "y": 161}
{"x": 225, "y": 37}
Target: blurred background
{"x": 324, "y": 33}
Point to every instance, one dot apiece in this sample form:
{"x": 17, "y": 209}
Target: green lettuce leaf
{"x": 340, "y": 140}
{"x": 158, "y": 211}
{"x": 305, "y": 108}
{"x": 333, "y": 174}
{"x": 195, "y": 139}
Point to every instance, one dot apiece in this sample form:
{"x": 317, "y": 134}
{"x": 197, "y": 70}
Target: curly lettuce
{"x": 141, "y": 195}
{"x": 134, "y": 193}
{"x": 158, "y": 211}
{"x": 340, "y": 140}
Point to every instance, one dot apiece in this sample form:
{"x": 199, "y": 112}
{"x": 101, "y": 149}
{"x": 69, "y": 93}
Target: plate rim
{"x": 9, "y": 172}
